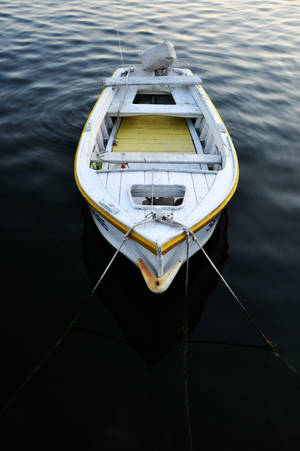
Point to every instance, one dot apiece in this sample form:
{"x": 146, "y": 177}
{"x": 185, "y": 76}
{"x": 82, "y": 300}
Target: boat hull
{"x": 158, "y": 269}
{"x": 153, "y": 161}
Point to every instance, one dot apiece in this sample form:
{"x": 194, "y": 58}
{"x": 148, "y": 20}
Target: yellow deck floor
{"x": 154, "y": 134}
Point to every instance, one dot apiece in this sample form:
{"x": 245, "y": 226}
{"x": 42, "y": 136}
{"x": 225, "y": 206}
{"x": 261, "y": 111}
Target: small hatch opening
{"x": 157, "y": 99}
{"x": 158, "y": 195}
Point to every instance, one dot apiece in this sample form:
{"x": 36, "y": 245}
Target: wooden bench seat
{"x": 132, "y": 109}
{"x": 180, "y": 80}
{"x": 171, "y": 158}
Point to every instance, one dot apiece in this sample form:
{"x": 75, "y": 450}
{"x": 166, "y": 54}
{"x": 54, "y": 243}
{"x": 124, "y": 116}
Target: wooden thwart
{"x": 131, "y": 109}
{"x": 157, "y": 169}
{"x": 143, "y": 157}
{"x": 183, "y": 80}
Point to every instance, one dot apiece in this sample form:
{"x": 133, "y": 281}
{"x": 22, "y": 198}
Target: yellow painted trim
{"x": 135, "y": 236}
{"x": 178, "y": 239}
{"x": 124, "y": 229}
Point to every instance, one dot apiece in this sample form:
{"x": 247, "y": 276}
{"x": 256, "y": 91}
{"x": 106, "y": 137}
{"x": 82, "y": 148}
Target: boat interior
{"x": 155, "y": 130}
{"x": 150, "y": 133}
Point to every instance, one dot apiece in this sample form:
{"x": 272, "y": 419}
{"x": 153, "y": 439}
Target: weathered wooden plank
{"x": 151, "y": 146}
{"x": 204, "y": 131}
{"x": 181, "y": 95}
{"x": 196, "y": 140}
{"x": 190, "y": 200}
{"x": 104, "y": 131}
{"x": 195, "y": 137}
{"x": 112, "y": 136}
{"x": 161, "y": 178}
{"x": 208, "y": 179}
{"x": 181, "y": 80}
{"x": 164, "y": 190}
{"x": 125, "y": 182}
{"x": 124, "y": 95}
{"x": 172, "y": 158}
{"x": 154, "y": 134}
{"x": 200, "y": 184}
{"x": 109, "y": 122}
{"x": 113, "y": 184}
{"x": 159, "y": 169}
{"x": 198, "y": 123}
{"x": 100, "y": 142}
{"x": 130, "y": 109}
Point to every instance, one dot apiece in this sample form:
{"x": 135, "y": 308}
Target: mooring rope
{"x": 167, "y": 219}
{"x": 164, "y": 219}
{"x": 118, "y": 34}
{"x": 43, "y": 360}
{"x": 186, "y": 349}
{"x": 72, "y": 323}
{"x": 126, "y": 236}
{"x": 125, "y": 93}
{"x": 202, "y": 341}
{"x": 120, "y": 47}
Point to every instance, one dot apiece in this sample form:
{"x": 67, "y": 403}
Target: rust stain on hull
{"x": 158, "y": 284}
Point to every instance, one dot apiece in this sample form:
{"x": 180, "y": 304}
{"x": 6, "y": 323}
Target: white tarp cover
{"x": 160, "y": 56}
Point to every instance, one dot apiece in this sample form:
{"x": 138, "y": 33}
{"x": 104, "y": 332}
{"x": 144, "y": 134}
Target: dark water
{"x": 121, "y": 386}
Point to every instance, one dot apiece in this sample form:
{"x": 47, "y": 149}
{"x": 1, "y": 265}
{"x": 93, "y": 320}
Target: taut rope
{"x": 186, "y": 349}
{"x": 72, "y": 323}
{"x": 164, "y": 219}
{"x": 126, "y": 236}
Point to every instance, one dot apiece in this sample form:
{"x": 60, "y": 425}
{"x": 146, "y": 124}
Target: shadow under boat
{"x": 152, "y": 324}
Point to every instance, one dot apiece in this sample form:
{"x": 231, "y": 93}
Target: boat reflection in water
{"x": 152, "y": 324}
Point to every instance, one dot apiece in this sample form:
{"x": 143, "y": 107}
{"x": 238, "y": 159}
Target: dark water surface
{"x": 121, "y": 386}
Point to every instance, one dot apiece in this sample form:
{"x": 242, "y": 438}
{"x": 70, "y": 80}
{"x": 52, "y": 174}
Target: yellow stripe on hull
{"x": 173, "y": 134}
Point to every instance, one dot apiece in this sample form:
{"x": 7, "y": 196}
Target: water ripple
{"x": 55, "y": 55}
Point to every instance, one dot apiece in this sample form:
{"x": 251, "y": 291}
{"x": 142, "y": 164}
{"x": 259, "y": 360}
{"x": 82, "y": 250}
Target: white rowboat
{"x": 155, "y": 160}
